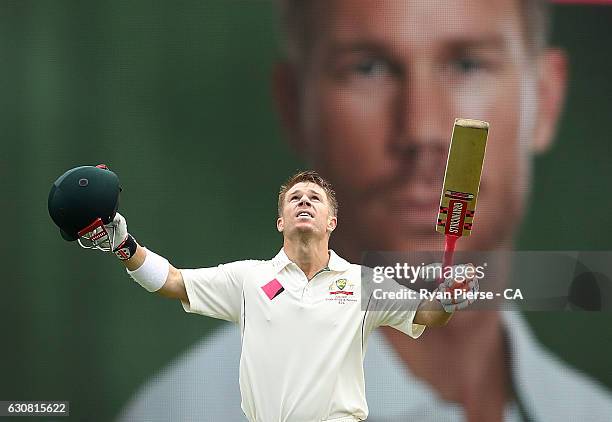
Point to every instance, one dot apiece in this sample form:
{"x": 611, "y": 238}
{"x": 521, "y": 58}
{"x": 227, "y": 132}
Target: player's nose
{"x": 423, "y": 118}
{"x": 304, "y": 201}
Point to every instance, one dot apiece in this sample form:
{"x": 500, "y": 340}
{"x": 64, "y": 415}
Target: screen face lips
{"x": 462, "y": 177}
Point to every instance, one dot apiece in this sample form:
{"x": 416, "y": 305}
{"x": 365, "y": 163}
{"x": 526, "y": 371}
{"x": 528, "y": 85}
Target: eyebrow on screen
{"x": 494, "y": 42}
{"x": 489, "y": 43}
{"x": 358, "y": 47}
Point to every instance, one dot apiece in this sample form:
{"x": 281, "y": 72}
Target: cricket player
{"x": 367, "y": 95}
{"x": 305, "y": 315}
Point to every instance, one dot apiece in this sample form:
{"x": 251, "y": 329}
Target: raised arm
{"x": 436, "y": 312}
{"x": 150, "y": 270}
{"x": 215, "y": 292}
{"x": 410, "y": 311}
{"x": 431, "y": 314}
{"x": 174, "y": 286}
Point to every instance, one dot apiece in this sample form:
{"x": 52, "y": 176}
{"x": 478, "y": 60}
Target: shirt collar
{"x": 336, "y": 263}
{"x": 281, "y": 260}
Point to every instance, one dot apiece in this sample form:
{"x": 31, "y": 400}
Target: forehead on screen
{"x": 304, "y": 20}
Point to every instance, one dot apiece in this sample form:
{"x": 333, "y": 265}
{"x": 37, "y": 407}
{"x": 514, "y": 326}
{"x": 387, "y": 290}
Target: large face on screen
{"x": 380, "y": 90}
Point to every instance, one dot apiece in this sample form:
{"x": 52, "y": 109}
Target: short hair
{"x": 298, "y": 16}
{"x": 308, "y": 176}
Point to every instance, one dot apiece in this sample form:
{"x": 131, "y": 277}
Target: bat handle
{"x": 449, "y": 250}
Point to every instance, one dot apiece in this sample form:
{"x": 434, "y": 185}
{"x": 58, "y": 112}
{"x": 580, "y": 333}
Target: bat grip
{"x": 449, "y": 250}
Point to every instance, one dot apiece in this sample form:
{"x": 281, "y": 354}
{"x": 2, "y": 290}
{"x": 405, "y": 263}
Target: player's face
{"x": 379, "y": 94}
{"x": 306, "y": 211}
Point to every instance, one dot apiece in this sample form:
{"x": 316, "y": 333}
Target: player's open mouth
{"x": 304, "y": 214}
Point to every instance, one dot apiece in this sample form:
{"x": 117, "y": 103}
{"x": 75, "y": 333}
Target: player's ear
{"x": 280, "y": 224}
{"x": 332, "y": 222}
{"x": 552, "y": 80}
{"x": 286, "y": 92}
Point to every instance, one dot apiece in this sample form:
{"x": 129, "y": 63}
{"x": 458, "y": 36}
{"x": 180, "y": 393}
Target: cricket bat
{"x": 461, "y": 182}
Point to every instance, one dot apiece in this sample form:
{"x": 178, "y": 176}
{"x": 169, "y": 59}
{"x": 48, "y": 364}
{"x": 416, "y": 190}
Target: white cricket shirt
{"x": 303, "y": 342}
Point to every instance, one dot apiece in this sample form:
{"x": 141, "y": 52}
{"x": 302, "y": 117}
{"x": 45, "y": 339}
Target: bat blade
{"x": 462, "y": 178}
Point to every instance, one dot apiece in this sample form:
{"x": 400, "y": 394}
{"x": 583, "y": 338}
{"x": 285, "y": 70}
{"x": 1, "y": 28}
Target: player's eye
{"x": 372, "y": 67}
{"x": 468, "y": 64}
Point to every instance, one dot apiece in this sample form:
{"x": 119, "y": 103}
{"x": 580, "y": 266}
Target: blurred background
{"x": 175, "y": 98}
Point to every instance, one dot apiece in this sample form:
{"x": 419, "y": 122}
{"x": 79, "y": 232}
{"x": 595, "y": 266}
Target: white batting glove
{"x": 111, "y": 237}
{"x": 118, "y": 230}
{"x": 123, "y": 244}
{"x": 462, "y": 290}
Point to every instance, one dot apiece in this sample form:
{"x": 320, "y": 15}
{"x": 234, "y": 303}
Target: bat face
{"x": 462, "y": 177}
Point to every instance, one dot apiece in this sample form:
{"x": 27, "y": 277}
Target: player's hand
{"x": 462, "y": 289}
{"x": 118, "y": 230}
{"x": 112, "y": 237}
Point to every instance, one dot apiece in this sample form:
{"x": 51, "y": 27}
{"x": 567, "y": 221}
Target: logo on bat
{"x": 456, "y": 217}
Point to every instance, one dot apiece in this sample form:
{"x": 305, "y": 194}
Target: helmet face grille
{"x": 96, "y": 236}
{"x": 81, "y": 196}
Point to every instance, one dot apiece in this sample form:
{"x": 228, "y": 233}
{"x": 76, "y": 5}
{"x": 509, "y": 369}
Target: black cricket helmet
{"x": 82, "y": 201}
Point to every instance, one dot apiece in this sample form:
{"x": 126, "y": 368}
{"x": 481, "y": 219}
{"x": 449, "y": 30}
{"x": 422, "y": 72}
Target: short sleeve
{"x": 217, "y": 291}
{"x": 390, "y": 304}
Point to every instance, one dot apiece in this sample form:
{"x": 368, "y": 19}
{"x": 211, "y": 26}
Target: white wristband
{"x": 153, "y": 272}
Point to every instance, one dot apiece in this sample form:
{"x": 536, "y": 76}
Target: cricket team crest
{"x": 341, "y": 291}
